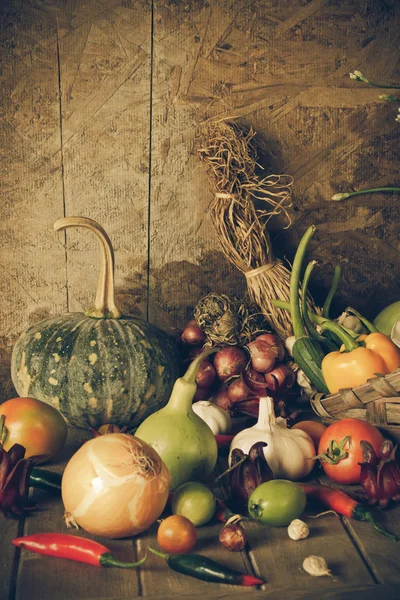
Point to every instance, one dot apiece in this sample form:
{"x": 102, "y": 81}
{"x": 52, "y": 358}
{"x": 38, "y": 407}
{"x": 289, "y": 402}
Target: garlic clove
{"x": 298, "y": 530}
{"x": 316, "y": 566}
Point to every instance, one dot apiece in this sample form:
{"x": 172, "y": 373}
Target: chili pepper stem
{"x": 360, "y": 513}
{"x": 107, "y": 560}
{"x": 158, "y": 553}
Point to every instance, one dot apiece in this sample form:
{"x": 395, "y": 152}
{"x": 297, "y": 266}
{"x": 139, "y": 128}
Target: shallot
{"x": 221, "y": 398}
{"x": 229, "y": 361}
{"x": 233, "y": 537}
{"x": 238, "y": 390}
{"x": 193, "y": 335}
{"x": 265, "y": 351}
{"x": 206, "y": 374}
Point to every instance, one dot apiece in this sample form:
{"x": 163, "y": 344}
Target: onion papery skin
{"x": 108, "y": 492}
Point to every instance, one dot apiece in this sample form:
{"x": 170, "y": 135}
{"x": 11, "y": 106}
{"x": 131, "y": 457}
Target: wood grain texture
{"x": 105, "y": 123}
{"x": 32, "y": 280}
{"x": 280, "y": 559}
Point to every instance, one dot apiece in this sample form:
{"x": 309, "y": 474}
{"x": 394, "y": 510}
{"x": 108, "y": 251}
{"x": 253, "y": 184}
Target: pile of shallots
{"x": 237, "y": 376}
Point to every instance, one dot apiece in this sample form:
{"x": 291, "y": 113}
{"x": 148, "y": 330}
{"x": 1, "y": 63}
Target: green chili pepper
{"x": 206, "y": 569}
{"x": 45, "y": 480}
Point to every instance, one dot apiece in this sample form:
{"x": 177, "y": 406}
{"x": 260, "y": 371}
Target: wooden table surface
{"x": 364, "y": 564}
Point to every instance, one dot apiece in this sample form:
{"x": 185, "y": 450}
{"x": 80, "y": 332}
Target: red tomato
{"x": 37, "y": 426}
{"x": 176, "y": 535}
{"x": 347, "y": 469}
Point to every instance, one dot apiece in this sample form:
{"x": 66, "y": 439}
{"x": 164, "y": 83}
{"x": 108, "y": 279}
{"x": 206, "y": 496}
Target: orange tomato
{"x": 315, "y": 429}
{"x": 34, "y": 424}
{"x": 176, "y": 535}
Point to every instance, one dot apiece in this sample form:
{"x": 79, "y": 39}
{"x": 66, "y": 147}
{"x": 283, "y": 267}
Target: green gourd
{"x": 96, "y": 367}
{"x": 184, "y": 441}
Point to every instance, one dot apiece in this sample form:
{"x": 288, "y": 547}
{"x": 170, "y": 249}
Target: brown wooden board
{"x": 185, "y": 259}
{"x": 9, "y": 529}
{"x": 32, "y": 280}
{"x": 279, "y": 559}
{"x": 105, "y": 123}
{"x": 382, "y": 554}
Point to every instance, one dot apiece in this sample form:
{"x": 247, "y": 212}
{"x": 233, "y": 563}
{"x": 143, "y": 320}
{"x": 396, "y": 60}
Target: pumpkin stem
{"x": 104, "y": 307}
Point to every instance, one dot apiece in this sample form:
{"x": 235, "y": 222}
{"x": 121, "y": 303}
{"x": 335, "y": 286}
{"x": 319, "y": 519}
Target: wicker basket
{"x": 377, "y": 401}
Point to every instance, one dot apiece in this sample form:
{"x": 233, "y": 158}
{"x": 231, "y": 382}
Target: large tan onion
{"x": 115, "y": 486}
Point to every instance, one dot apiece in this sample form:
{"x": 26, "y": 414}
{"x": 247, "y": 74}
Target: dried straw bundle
{"x": 230, "y": 154}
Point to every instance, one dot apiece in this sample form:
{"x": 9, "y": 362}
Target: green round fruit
{"x": 277, "y": 502}
{"x": 194, "y": 501}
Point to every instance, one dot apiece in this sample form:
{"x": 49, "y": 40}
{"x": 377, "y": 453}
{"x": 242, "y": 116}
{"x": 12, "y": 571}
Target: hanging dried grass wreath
{"x": 230, "y": 154}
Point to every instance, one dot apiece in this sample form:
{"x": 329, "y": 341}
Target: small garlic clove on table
{"x": 316, "y": 566}
{"x": 298, "y": 530}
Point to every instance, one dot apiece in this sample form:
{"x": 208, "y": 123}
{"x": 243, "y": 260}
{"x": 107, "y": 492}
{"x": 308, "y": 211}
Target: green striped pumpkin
{"x": 98, "y": 367}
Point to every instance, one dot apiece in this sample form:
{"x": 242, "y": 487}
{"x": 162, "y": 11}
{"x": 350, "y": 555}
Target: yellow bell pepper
{"x": 354, "y": 364}
{"x": 383, "y": 345}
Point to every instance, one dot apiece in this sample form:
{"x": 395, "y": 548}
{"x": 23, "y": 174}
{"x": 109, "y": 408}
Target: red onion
{"x": 233, "y": 537}
{"x": 229, "y": 361}
{"x": 238, "y": 390}
{"x": 221, "y": 398}
{"x": 206, "y": 374}
{"x": 193, "y": 335}
{"x": 265, "y": 350}
{"x": 280, "y": 378}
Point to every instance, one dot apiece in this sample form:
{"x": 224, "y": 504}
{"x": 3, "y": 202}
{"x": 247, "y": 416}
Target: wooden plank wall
{"x": 100, "y": 107}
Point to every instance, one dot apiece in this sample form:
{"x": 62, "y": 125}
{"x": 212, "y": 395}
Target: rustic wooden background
{"x": 101, "y": 101}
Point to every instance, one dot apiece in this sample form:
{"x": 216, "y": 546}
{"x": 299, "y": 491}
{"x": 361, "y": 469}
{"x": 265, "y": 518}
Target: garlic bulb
{"x": 298, "y": 530}
{"x": 218, "y": 419}
{"x": 289, "y": 452}
{"x": 316, "y": 566}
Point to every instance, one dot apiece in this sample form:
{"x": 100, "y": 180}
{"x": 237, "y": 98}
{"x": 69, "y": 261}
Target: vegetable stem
{"x": 104, "y": 306}
{"x": 348, "y": 341}
{"x": 297, "y": 321}
{"x": 344, "y": 196}
{"x": 158, "y": 553}
{"x": 335, "y": 284}
{"x": 304, "y": 312}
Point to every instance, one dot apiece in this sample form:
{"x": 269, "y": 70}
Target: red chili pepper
{"x": 72, "y": 547}
{"x": 342, "y": 504}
